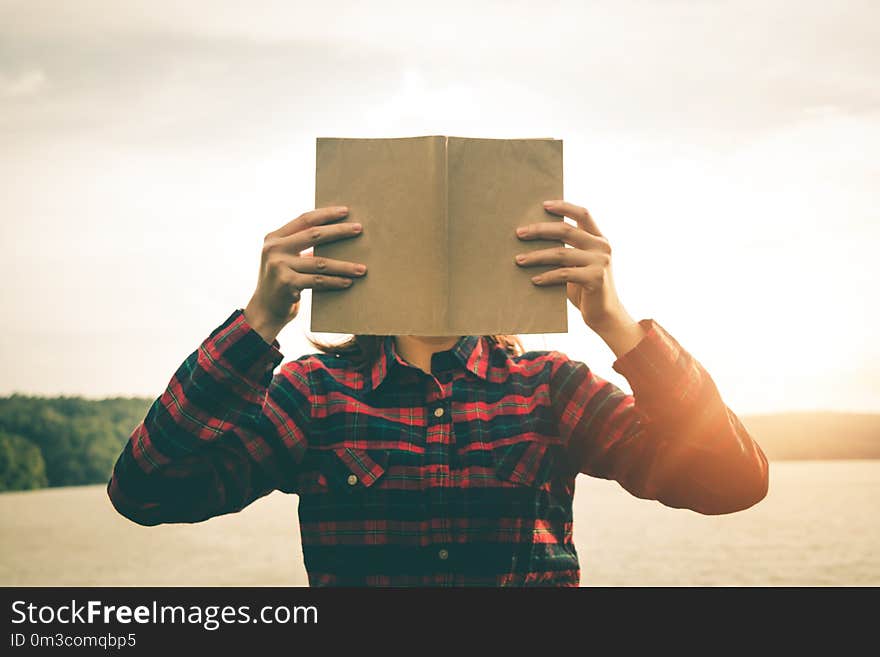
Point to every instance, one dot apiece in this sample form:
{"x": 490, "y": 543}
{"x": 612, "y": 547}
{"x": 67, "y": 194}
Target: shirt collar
{"x": 471, "y": 351}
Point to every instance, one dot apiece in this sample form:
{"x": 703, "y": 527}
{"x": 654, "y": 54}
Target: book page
{"x": 494, "y": 186}
{"x": 396, "y": 188}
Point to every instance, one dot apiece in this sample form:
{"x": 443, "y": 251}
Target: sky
{"x": 728, "y": 150}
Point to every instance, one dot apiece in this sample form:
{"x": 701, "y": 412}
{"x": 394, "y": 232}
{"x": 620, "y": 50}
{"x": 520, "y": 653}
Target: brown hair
{"x": 363, "y": 349}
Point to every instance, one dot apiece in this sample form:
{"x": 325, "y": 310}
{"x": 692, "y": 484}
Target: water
{"x": 818, "y": 526}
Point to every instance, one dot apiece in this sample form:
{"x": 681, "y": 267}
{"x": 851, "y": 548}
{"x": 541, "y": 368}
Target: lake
{"x": 819, "y": 525}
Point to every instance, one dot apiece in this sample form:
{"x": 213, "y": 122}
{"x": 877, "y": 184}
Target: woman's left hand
{"x": 585, "y": 269}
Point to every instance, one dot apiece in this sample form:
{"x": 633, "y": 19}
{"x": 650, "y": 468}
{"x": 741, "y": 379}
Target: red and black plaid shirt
{"x": 464, "y": 476}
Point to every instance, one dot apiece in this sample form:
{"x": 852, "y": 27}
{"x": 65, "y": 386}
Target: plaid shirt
{"x": 465, "y": 476}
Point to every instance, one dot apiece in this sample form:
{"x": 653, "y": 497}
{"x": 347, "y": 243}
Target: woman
{"x": 433, "y": 460}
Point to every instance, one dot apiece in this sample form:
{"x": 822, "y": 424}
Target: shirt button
{"x": 443, "y": 553}
{"x": 438, "y": 412}
{"x": 352, "y": 479}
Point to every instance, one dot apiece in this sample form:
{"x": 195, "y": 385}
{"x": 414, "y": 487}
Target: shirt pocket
{"x": 344, "y": 471}
{"x": 527, "y": 463}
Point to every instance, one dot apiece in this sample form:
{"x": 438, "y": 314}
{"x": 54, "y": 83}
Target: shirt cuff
{"x": 664, "y": 377}
{"x": 238, "y": 347}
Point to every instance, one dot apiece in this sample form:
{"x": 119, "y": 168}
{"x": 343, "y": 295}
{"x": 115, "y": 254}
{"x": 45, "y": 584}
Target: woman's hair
{"x": 363, "y": 349}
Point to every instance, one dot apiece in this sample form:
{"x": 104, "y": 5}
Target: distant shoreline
{"x": 53, "y": 442}
{"x": 59, "y": 489}
{"x": 816, "y": 436}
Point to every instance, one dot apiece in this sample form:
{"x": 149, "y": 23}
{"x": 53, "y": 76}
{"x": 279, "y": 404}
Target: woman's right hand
{"x": 285, "y": 271}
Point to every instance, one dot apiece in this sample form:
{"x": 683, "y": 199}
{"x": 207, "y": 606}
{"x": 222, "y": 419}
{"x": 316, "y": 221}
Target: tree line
{"x": 63, "y": 441}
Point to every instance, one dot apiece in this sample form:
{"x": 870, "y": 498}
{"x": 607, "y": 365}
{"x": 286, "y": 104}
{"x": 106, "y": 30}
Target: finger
{"x": 298, "y": 273}
{"x": 318, "y": 234}
{"x": 561, "y": 230}
{"x": 309, "y": 264}
{"x": 579, "y": 213}
{"x": 590, "y": 277}
{"x": 311, "y": 218}
{"x": 320, "y": 281}
{"x": 562, "y": 255}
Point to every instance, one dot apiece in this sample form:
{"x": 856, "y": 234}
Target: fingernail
{"x": 522, "y": 230}
{"x": 360, "y": 269}
{"x": 342, "y": 209}
{"x": 356, "y": 228}
{"x": 547, "y": 204}
{"x": 347, "y": 282}
{"x": 520, "y": 258}
{"x": 536, "y": 279}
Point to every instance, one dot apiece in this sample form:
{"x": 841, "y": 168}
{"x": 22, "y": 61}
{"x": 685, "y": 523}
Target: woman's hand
{"x": 285, "y": 271}
{"x": 585, "y": 269}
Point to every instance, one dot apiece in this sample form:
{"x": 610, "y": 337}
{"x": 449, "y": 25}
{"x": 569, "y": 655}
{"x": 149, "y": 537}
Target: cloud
{"x": 203, "y": 72}
{"x": 27, "y": 83}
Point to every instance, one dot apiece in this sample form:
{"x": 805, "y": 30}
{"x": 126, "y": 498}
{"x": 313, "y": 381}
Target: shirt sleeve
{"x": 225, "y": 432}
{"x": 673, "y": 440}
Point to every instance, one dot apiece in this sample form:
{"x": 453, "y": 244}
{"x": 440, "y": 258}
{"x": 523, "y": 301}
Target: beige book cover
{"x": 439, "y": 216}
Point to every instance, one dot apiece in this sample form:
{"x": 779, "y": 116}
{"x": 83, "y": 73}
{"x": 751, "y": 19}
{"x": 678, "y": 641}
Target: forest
{"x": 63, "y": 441}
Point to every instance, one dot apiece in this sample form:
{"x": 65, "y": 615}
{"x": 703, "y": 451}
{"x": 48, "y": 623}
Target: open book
{"x": 439, "y": 216}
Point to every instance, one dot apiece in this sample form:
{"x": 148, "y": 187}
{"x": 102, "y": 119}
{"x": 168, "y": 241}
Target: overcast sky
{"x": 729, "y": 150}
